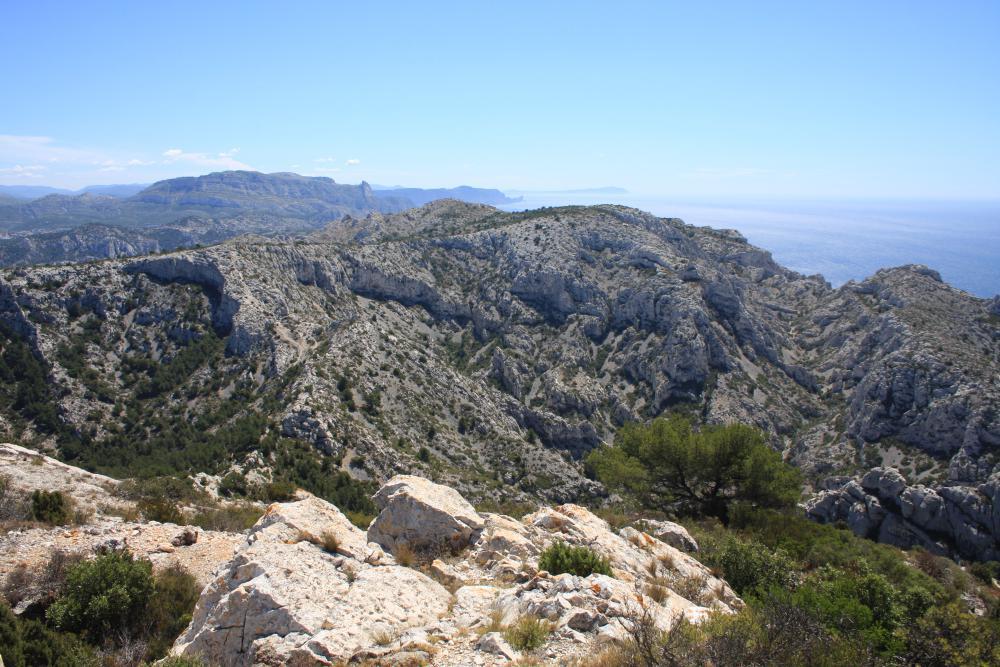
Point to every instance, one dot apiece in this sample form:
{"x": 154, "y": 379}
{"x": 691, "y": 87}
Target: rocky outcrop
{"x": 422, "y": 515}
{"x": 671, "y": 533}
{"x": 26, "y": 470}
{"x": 290, "y": 598}
{"x": 957, "y": 521}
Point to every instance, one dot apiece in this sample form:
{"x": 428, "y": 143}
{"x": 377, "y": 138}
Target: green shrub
{"x": 175, "y": 593}
{"x": 581, "y": 561}
{"x": 230, "y": 518}
{"x": 858, "y": 603}
{"x": 29, "y": 643}
{"x": 169, "y": 487}
{"x": 233, "y": 484}
{"x": 276, "y": 492}
{"x": 986, "y": 572}
{"x": 948, "y": 637}
{"x": 162, "y": 510}
{"x": 103, "y": 596}
{"x": 527, "y": 633}
{"x": 50, "y": 507}
{"x": 751, "y": 567}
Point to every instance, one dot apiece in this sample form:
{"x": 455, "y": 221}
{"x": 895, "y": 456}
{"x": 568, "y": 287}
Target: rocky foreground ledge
{"x": 432, "y": 581}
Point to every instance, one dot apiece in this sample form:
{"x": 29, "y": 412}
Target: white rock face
{"x": 673, "y": 534}
{"x": 292, "y": 601}
{"x": 284, "y": 600}
{"x": 308, "y": 520}
{"x": 422, "y": 514}
{"x": 28, "y": 470}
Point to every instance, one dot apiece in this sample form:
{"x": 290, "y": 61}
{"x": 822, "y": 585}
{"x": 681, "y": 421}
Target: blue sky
{"x": 769, "y": 99}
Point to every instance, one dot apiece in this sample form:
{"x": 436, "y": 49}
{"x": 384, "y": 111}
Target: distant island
{"x": 605, "y": 190}
{"x": 420, "y": 196}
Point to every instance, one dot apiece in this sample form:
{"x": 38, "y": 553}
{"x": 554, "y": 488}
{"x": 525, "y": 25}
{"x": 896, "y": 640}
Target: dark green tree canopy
{"x": 668, "y": 463}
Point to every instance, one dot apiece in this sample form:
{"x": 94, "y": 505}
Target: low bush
{"x": 527, "y": 633}
{"x": 29, "y": 643}
{"x": 175, "y": 593}
{"x": 51, "y": 507}
{"x": 103, "y": 595}
{"x": 749, "y": 566}
{"x": 986, "y": 572}
{"x": 581, "y": 561}
{"x": 162, "y": 510}
{"x": 230, "y": 518}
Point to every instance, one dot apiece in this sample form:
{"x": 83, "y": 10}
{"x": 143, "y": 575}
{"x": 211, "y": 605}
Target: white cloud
{"x": 324, "y": 159}
{"x": 224, "y": 160}
{"x": 352, "y": 162}
{"x": 24, "y": 157}
{"x": 24, "y": 171}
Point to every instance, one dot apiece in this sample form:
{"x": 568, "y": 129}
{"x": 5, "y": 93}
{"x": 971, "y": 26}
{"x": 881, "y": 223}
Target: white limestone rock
{"x": 423, "y": 515}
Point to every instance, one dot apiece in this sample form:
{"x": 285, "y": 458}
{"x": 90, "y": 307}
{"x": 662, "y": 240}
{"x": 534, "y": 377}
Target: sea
{"x": 841, "y": 240}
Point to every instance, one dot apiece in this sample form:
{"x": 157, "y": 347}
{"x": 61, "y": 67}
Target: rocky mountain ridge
{"x": 122, "y": 221}
{"x": 311, "y": 201}
{"x": 492, "y": 350}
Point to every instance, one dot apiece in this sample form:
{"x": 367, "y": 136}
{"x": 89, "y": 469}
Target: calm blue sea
{"x": 843, "y": 240}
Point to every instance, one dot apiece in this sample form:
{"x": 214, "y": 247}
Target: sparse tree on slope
{"x": 669, "y": 463}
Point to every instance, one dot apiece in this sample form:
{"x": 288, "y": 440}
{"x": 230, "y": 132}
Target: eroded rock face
{"x": 284, "y": 600}
{"x": 952, "y": 520}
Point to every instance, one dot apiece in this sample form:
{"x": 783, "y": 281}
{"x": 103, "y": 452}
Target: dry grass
{"x": 657, "y": 593}
{"x": 129, "y": 513}
{"x": 692, "y": 587}
{"x": 495, "y": 625}
{"x": 384, "y": 638}
{"x": 329, "y": 542}
{"x": 612, "y": 657}
{"x": 405, "y": 555}
{"x": 528, "y": 633}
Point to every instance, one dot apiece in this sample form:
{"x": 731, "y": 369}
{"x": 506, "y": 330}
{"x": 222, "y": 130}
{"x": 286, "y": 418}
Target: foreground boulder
{"x": 673, "y": 534}
{"x": 286, "y": 599}
{"x": 422, "y": 515}
{"x": 961, "y": 521}
{"x": 309, "y": 588}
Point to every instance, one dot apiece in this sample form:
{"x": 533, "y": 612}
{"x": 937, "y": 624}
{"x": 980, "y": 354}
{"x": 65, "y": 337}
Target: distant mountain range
{"x": 99, "y": 222}
{"x": 36, "y": 191}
